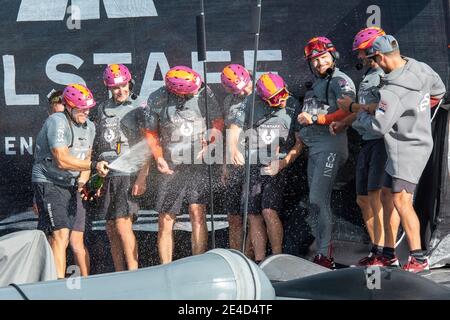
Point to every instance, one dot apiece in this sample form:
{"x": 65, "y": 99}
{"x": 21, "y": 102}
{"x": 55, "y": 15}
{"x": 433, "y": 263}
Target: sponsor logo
{"x": 186, "y": 129}
{"x": 382, "y": 106}
{"x": 268, "y": 136}
{"x": 329, "y": 165}
{"x": 60, "y": 135}
{"x": 424, "y": 103}
{"x": 109, "y": 135}
{"x": 38, "y": 10}
{"x": 373, "y": 278}
{"x": 345, "y": 86}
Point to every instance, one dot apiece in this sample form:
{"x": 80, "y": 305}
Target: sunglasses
{"x": 315, "y": 48}
{"x": 374, "y": 58}
{"x": 276, "y": 99}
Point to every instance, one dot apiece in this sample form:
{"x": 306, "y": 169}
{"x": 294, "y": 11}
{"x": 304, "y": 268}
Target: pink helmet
{"x": 115, "y": 75}
{"x": 79, "y": 97}
{"x": 182, "y": 80}
{"x": 365, "y": 38}
{"x": 272, "y": 89}
{"x": 318, "y": 46}
{"x": 235, "y": 77}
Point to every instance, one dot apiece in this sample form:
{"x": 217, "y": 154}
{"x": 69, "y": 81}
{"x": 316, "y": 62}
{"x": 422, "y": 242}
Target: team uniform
{"x": 372, "y": 156}
{"x": 326, "y": 152}
{"x": 403, "y": 117}
{"x": 181, "y": 126}
{"x": 235, "y": 173}
{"x": 118, "y": 128}
{"x": 55, "y": 190}
{"x": 273, "y": 138}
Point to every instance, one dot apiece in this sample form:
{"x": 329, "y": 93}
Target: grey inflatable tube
{"x": 217, "y": 274}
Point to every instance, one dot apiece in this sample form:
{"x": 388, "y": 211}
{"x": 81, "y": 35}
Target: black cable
{"x": 201, "y": 48}
{"x": 256, "y": 17}
{"x": 22, "y": 294}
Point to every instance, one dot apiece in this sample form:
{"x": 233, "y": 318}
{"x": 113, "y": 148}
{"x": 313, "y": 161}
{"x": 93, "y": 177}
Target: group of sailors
{"x": 390, "y": 110}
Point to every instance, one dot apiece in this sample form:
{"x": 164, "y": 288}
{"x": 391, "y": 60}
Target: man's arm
{"x": 387, "y": 114}
{"x": 339, "y": 126}
{"x": 276, "y": 166}
{"x": 140, "y": 185}
{"x": 65, "y": 161}
{"x": 294, "y": 152}
{"x": 438, "y": 89}
{"x": 233, "y": 134}
{"x": 338, "y": 115}
{"x": 345, "y": 102}
{"x": 340, "y": 87}
{"x": 152, "y": 138}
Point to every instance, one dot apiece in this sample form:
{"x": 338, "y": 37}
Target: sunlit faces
{"x": 120, "y": 93}
{"x": 80, "y": 116}
{"x": 380, "y": 60}
{"x": 283, "y": 103}
{"x": 367, "y": 62}
{"x": 322, "y": 63}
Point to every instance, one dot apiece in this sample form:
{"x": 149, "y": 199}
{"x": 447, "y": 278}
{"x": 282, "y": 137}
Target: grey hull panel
{"x": 217, "y": 274}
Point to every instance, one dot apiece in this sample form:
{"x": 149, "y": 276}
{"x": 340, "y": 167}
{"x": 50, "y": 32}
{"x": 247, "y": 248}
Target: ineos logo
{"x": 60, "y": 134}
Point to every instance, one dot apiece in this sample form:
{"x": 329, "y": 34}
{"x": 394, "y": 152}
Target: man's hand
{"x": 203, "y": 150}
{"x": 139, "y": 186}
{"x": 82, "y": 189}
{"x": 337, "y": 127}
{"x": 214, "y": 134}
{"x": 237, "y": 158}
{"x": 84, "y": 192}
{"x": 344, "y": 103}
{"x": 273, "y": 168}
{"x": 102, "y": 168}
{"x": 304, "y": 118}
{"x": 162, "y": 166}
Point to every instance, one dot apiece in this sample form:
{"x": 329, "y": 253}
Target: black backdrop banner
{"x": 46, "y": 44}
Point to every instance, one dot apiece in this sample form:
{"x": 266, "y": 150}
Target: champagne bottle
{"x": 93, "y": 184}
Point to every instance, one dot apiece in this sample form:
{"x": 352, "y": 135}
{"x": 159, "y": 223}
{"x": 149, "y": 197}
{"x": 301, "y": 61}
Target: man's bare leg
{"x": 165, "y": 237}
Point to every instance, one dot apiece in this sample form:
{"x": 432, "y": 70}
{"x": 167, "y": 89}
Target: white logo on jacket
{"x": 186, "y": 129}
{"x": 424, "y": 103}
{"x": 60, "y": 135}
{"x": 268, "y": 136}
{"x": 109, "y": 135}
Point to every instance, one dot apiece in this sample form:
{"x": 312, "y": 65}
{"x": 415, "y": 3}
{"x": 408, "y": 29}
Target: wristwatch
{"x": 314, "y": 118}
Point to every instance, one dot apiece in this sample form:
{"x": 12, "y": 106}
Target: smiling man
{"x": 327, "y": 152}
{"x": 62, "y": 167}
{"x": 402, "y": 116}
{"x": 118, "y": 128}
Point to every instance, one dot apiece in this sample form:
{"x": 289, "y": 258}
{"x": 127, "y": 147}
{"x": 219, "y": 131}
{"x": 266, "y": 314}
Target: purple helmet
{"x": 272, "y": 89}
{"x": 269, "y": 84}
{"x": 365, "y": 38}
{"x": 116, "y": 75}
{"x": 235, "y": 77}
{"x": 182, "y": 80}
{"x": 78, "y": 96}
